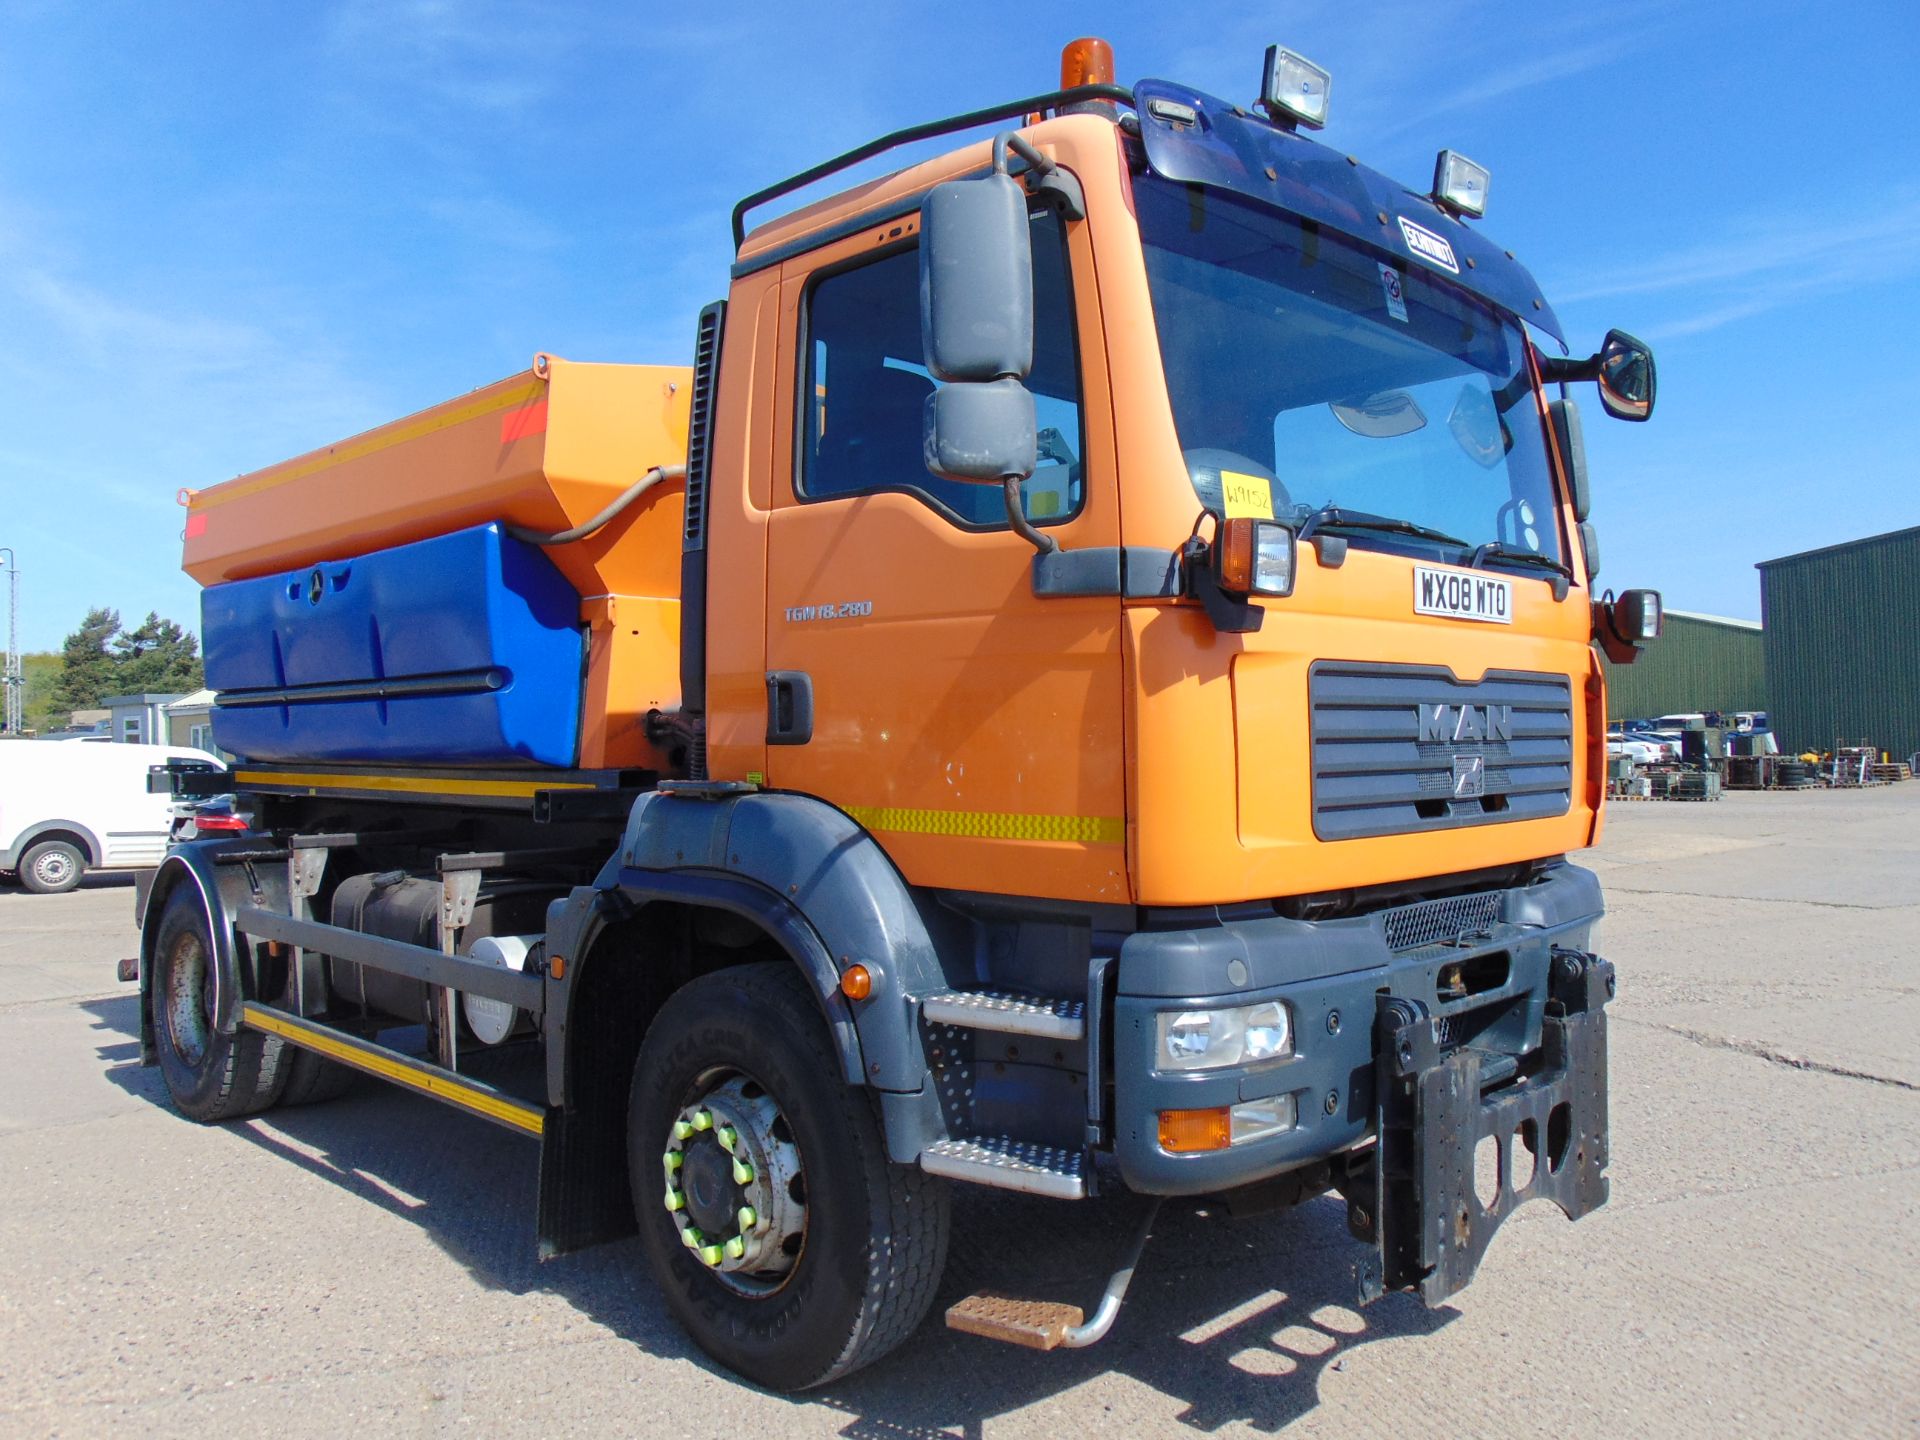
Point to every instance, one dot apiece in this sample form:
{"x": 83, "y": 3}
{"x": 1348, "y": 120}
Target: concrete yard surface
{"x": 366, "y": 1267}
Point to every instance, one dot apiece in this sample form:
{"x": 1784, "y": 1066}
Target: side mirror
{"x": 1573, "y": 450}
{"x": 1590, "y": 549}
{"x": 983, "y": 432}
{"x": 976, "y": 280}
{"x": 1626, "y": 377}
{"x": 976, "y": 328}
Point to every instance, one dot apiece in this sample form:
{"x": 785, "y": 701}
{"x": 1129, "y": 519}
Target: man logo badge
{"x": 1455, "y": 723}
{"x": 1469, "y": 777}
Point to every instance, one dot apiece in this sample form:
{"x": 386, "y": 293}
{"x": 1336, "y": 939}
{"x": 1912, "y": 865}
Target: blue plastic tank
{"x": 464, "y": 650}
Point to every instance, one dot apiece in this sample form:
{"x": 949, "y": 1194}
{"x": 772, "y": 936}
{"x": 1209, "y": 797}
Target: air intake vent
{"x": 706, "y": 369}
{"x": 1438, "y": 922}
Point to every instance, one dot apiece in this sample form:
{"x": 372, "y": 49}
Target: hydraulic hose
{"x": 656, "y": 476}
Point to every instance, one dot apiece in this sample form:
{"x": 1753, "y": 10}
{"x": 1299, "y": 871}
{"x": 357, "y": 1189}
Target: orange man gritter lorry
{"x": 1087, "y": 684}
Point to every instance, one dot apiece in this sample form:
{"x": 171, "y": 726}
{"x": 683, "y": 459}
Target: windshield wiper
{"x": 1512, "y": 555}
{"x": 1504, "y": 554}
{"x": 1331, "y": 517}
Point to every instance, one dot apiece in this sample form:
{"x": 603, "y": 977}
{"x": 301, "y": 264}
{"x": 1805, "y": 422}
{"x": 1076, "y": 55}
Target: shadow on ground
{"x": 1235, "y": 1320}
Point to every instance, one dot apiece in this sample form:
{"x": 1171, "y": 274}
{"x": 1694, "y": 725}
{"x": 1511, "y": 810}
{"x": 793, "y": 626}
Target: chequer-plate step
{"x": 1008, "y": 1164}
{"x": 1036, "y": 1324}
{"x": 1007, "y": 1013}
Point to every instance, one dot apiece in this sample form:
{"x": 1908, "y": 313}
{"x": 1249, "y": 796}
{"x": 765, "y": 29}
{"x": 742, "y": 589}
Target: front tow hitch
{"x": 1415, "y": 1201}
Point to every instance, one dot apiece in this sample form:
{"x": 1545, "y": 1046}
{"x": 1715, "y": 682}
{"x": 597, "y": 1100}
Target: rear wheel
{"x": 787, "y": 1244}
{"x": 312, "y": 1079}
{"x": 52, "y": 867}
{"x": 210, "y": 1076}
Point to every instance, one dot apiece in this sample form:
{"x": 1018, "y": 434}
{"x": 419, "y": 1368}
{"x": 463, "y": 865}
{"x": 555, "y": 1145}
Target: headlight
{"x": 1214, "y": 1039}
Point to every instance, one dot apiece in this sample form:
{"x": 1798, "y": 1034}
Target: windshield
{"x": 1341, "y": 379}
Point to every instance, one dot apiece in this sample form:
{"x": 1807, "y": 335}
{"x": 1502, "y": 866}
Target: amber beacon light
{"x": 1086, "y": 61}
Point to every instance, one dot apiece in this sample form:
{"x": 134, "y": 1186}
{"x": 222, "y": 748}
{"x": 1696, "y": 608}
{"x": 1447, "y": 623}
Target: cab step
{"x": 1052, "y": 1324}
{"x": 1008, "y": 1164}
{"x": 1034, "y": 1324}
{"x": 1008, "y": 1013}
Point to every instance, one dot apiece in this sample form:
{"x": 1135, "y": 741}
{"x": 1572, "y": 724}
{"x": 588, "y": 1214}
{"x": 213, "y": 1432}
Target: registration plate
{"x": 1462, "y": 595}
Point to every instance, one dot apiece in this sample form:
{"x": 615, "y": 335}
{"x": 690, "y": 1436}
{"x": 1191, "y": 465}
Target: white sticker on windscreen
{"x": 1392, "y": 284}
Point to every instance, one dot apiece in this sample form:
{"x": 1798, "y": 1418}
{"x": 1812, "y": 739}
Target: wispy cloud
{"x": 1508, "y": 76}
{"x": 1767, "y": 261}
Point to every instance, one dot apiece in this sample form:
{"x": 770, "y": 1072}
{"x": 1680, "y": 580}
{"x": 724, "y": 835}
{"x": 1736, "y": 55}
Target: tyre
{"x": 52, "y": 867}
{"x": 210, "y": 1076}
{"x": 786, "y": 1243}
{"x": 313, "y": 1079}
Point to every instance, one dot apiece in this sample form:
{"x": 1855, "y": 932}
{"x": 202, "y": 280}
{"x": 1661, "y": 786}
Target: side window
{"x": 866, "y": 386}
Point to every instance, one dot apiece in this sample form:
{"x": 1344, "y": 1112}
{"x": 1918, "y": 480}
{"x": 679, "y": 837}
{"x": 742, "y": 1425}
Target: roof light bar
{"x": 1459, "y": 184}
{"x": 1294, "y": 90}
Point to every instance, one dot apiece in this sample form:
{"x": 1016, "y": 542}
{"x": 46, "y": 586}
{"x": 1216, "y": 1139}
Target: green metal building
{"x": 1843, "y": 644}
{"x": 1700, "y": 662}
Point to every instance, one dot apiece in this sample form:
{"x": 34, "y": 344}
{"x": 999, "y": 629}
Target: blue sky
{"x": 230, "y": 232}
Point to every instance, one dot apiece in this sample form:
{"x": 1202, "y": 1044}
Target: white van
{"x": 66, "y": 809}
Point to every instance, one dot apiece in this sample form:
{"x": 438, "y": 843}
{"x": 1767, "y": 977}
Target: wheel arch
{"x": 789, "y": 877}
{"x": 218, "y": 890}
{"x": 72, "y": 831}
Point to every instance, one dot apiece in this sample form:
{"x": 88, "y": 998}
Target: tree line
{"x": 103, "y": 658}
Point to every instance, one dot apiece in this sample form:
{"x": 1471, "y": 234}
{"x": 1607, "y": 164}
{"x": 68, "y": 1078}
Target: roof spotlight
{"x": 1294, "y": 89}
{"x": 1459, "y": 184}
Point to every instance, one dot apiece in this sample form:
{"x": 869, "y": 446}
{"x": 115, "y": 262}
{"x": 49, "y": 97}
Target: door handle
{"x": 789, "y": 707}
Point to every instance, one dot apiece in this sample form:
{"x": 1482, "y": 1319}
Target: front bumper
{"x": 1333, "y": 975}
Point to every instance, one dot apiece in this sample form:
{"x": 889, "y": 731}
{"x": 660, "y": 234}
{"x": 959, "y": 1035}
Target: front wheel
{"x": 52, "y": 867}
{"x": 787, "y": 1244}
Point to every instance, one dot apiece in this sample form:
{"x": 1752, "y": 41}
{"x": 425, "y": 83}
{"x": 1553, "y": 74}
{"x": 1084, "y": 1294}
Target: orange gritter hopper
{"x": 547, "y": 448}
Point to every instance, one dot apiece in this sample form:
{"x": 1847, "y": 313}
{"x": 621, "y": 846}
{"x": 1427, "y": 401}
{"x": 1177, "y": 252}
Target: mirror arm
{"x": 1017, "y": 518}
{"x": 1050, "y": 183}
{"x": 1554, "y": 369}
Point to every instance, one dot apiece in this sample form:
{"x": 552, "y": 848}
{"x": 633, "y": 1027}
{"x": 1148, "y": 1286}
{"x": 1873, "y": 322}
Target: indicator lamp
{"x": 1459, "y": 185}
{"x": 1255, "y": 557}
{"x": 1294, "y": 90}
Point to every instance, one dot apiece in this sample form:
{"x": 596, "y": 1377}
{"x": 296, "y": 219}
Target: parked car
{"x": 1641, "y": 749}
{"x": 67, "y": 809}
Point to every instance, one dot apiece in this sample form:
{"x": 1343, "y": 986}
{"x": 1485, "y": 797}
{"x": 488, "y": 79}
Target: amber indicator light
{"x": 1236, "y": 555}
{"x": 1183, "y": 1131}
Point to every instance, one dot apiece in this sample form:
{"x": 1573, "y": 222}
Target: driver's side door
{"x": 972, "y": 727}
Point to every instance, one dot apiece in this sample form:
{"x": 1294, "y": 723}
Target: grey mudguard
{"x": 220, "y": 891}
{"x": 836, "y": 884}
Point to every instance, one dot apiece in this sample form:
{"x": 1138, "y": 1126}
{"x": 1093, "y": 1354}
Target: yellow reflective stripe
{"x": 993, "y": 824}
{"x": 416, "y": 1075}
{"x": 370, "y": 444}
{"x": 405, "y": 784}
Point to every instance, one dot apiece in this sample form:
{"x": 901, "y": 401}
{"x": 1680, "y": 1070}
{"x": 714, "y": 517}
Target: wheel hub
{"x": 52, "y": 868}
{"x": 734, "y": 1186}
{"x": 189, "y": 985}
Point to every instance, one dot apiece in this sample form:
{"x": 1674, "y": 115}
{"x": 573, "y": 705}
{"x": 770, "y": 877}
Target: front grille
{"x": 1434, "y": 922}
{"x": 1399, "y": 749}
